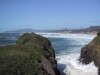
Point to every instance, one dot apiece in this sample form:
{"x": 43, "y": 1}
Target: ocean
{"x": 67, "y": 49}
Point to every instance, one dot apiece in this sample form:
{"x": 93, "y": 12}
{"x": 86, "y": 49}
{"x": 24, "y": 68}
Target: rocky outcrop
{"x": 91, "y": 52}
{"x": 32, "y": 55}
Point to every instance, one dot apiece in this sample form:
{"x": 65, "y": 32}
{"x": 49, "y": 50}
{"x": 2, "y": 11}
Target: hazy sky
{"x": 48, "y": 14}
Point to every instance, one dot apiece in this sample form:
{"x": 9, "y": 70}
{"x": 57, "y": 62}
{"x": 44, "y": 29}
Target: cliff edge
{"x": 91, "y": 52}
{"x": 32, "y": 55}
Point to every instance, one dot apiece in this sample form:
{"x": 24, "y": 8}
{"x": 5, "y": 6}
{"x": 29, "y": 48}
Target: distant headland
{"x": 89, "y": 30}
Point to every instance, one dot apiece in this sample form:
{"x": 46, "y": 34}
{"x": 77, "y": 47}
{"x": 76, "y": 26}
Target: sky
{"x": 48, "y": 14}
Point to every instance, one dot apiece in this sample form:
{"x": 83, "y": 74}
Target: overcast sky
{"x": 48, "y": 14}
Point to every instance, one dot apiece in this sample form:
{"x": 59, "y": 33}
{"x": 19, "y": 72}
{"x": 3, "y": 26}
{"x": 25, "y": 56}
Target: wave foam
{"x": 68, "y": 63}
{"x": 65, "y": 35}
{"x": 73, "y": 67}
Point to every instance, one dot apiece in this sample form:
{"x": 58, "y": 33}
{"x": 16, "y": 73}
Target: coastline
{"x": 81, "y": 39}
{"x": 84, "y": 33}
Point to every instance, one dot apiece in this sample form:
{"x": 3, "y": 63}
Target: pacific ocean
{"x": 67, "y": 50}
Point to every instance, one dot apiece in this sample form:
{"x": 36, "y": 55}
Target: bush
{"x": 98, "y": 34}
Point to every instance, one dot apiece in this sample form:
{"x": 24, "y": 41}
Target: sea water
{"x": 67, "y": 49}
{"x": 8, "y": 38}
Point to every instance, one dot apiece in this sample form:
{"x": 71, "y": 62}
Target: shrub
{"x": 98, "y": 34}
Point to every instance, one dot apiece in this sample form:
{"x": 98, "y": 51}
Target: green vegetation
{"x": 98, "y": 34}
{"x": 24, "y": 57}
{"x": 96, "y": 40}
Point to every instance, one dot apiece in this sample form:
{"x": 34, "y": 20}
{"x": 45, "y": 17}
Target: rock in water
{"x": 91, "y": 52}
{"x": 32, "y": 55}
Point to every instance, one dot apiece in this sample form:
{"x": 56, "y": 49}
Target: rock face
{"x": 91, "y": 52}
{"x": 32, "y": 55}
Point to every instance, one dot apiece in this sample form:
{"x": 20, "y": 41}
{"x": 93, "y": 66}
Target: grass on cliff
{"x": 98, "y": 34}
{"x": 19, "y": 59}
{"x": 96, "y": 40}
{"x": 22, "y": 58}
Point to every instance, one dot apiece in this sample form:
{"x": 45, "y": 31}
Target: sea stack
{"x": 32, "y": 55}
{"x": 91, "y": 52}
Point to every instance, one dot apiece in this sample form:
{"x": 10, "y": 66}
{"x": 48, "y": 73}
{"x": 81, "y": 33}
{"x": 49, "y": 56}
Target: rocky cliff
{"x": 91, "y": 52}
{"x": 32, "y": 55}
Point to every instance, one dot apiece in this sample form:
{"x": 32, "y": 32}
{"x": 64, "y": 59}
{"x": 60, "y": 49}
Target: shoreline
{"x": 88, "y": 33}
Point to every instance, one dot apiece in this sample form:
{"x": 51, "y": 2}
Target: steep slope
{"x": 32, "y": 55}
{"x": 91, "y": 52}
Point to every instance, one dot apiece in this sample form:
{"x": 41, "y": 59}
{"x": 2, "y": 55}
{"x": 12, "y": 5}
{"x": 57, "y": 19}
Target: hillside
{"x": 91, "y": 29}
{"x": 27, "y": 30}
{"x": 20, "y": 31}
{"x": 32, "y": 55}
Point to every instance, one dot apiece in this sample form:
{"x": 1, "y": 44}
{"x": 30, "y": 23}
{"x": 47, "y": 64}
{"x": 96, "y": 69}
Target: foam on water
{"x": 63, "y": 35}
{"x": 68, "y": 63}
{"x": 66, "y": 56}
{"x": 73, "y": 67}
